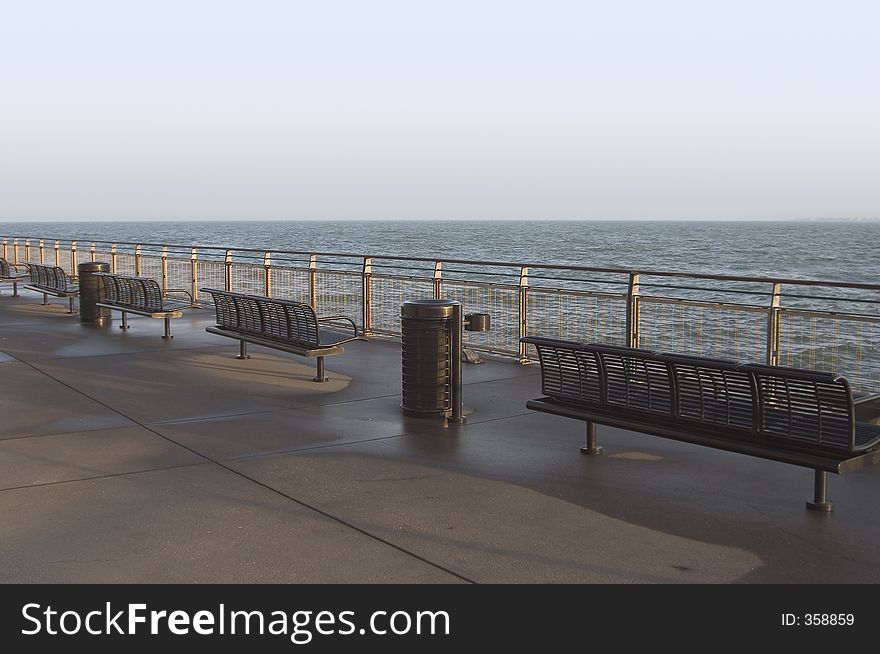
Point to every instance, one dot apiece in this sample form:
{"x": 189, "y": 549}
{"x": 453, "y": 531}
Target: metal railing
{"x": 822, "y": 325}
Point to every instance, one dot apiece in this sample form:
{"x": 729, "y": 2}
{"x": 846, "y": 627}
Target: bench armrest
{"x": 324, "y": 319}
{"x": 867, "y": 409}
{"x": 184, "y": 291}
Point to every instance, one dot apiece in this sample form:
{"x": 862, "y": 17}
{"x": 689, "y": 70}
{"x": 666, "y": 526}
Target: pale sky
{"x": 439, "y": 110}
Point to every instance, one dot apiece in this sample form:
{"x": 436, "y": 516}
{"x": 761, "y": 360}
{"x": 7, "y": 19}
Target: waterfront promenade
{"x": 125, "y": 458}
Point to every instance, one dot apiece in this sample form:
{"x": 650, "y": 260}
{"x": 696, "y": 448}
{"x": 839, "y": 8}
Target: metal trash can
{"x": 430, "y": 345}
{"x": 91, "y": 291}
{"x": 426, "y": 342}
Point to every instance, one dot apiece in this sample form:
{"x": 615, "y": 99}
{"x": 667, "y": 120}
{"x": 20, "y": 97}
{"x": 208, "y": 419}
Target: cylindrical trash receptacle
{"x": 426, "y": 341}
{"x": 91, "y": 291}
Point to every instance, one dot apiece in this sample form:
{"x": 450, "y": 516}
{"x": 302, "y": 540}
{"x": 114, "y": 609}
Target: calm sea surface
{"x": 817, "y": 250}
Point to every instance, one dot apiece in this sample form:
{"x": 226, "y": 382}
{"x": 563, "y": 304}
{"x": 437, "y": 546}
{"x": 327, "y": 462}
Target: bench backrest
{"x": 749, "y": 400}
{"x": 141, "y": 293}
{"x": 268, "y": 317}
{"x": 804, "y": 405}
{"x": 4, "y": 268}
{"x": 48, "y": 276}
{"x": 712, "y": 391}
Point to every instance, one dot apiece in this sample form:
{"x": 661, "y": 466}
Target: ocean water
{"x": 833, "y": 250}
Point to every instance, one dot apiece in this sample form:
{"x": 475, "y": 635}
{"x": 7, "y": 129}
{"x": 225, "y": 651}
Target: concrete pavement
{"x": 127, "y": 458}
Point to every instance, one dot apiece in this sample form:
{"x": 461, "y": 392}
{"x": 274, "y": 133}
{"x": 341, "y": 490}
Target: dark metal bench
{"x": 280, "y": 324}
{"x": 52, "y": 280}
{"x": 141, "y": 296}
{"x": 801, "y": 417}
{"x": 8, "y": 273}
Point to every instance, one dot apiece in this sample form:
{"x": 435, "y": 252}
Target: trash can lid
{"x": 100, "y": 266}
{"x": 428, "y": 309}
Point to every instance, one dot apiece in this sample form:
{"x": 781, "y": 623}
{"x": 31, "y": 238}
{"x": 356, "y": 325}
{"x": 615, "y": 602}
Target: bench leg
{"x": 167, "y": 335}
{"x": 242, "y": 351}
{"x": 319, "y": 377}
{"x": 71, "y": 305}
{"x": 124, "y": 324}
{"x": 591, "y": 449}
{"x": 14, "y": 289}
{"x": 45, "y": 299}
{"x": 820, "y": 501}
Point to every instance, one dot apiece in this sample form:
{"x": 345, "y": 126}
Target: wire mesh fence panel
{"x": 151, "y": 266}
{"x": 731, "y": 332}
{"x": 290, "y": 283}
{"x": 500, "y": 301}
{"x": 577, "y": 316}
{"x": 102, "y": 253}
{"x": 248, "y": 278}
{"x": 340, "y": 293}
{"x": 840, "y": 344}
{"x": 18, "y": 253}
{"x": 388, "y": 292}
{"x": 179, "y": 273}
{"x": 125, "y": 263}
{"x": 211, "y": 274}
{"x": 64, "y": 259}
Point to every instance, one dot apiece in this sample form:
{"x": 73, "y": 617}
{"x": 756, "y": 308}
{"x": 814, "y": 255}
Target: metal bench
{"x": 52, "y": 280}
{"x": 141, "y": 296}
{"x": 281, "y": 325}
{"x": 8, "y": 273}
{"x": 801, "y": 417}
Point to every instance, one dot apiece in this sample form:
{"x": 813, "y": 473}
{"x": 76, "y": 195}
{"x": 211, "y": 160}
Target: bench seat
{"x": 834, "y": 462}
{"x": 301, "y": 349}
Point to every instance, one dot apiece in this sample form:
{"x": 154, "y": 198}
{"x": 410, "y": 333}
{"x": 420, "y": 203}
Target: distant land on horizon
{"x": 866, "y": 219}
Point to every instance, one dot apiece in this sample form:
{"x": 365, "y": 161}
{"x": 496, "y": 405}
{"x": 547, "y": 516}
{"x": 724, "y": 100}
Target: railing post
{"x": 73, "y": 260}
{"x": 164, "y": 268}
{"x": 137, "y": 260}
{"x": 523, "y": 313}
{"x": 15, "y": 250}
{"x": 57, "y": 253}
{"x": 227, "y": 263}
{"x": 92, "y": 255}
{"x": 267, "y": 274}
{"x": 633, "y": 311}
{"x": 194, "y": 276}
{"x": 438, "y": 280}
{"x": 5, "y": 255}
{"x": 313, "y": 281}
{"x": 773, "y": 326}
{"x": 42, "y": 252}
{"x": 367, "y": 299}
{"x": 27, "y": 249}
{"x": 113, "y": 258}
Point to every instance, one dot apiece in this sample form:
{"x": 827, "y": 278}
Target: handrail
{"x": 511, "y": 264}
